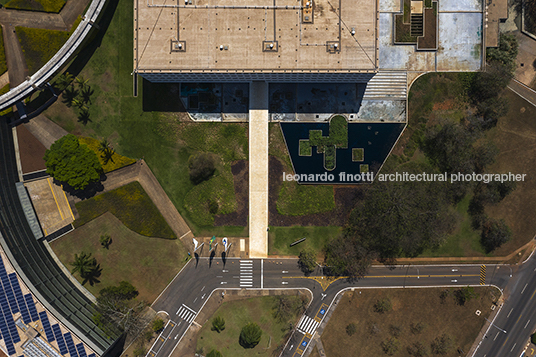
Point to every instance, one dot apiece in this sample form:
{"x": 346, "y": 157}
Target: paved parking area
{"x": 50, "y": 203}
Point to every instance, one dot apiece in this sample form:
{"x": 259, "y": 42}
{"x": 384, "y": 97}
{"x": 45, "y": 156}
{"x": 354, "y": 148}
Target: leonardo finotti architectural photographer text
{"x": 405, "y": 176}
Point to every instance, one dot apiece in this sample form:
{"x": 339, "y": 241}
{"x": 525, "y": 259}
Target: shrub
{"x": 201, "y": 167}
{"x": 36, "y": 5}
{"x": 418, "y": 350}
{"x": 140, "y": 351}
{"x": 250, "y": 336}
{"x": 158, "y": 325}
{"x": 214, "y": 353}
{"x": 105, "y": 240}
{"x": 218, "y": 324}
{"x": 390, "y": 346}
{"x": 465, "y": 294}
{"x": 417, "y": 328}
{"x": 351, "y": 329}
{"x": 383, "y": 305}
{"x": 441, "y": 345}
{"x": 395, "y": 331}
{"x": 533, "y": 338}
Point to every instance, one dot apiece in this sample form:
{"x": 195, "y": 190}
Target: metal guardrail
{"x": 39, "y": 79}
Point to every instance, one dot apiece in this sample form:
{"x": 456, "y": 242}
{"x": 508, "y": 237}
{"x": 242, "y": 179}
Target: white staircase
{"x": 387, "y": 85}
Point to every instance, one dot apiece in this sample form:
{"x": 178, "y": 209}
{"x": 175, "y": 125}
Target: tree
{"x": 72, "y": 163}
{"x": 383, "y": 305}
{"x": 390, "y": 346}
{"x": 307, "y": 261}
{"x": 218, "y": 324}
{"x": 158, "y": 325}
{"x": 69, "y": 95}
{"x": 250, "y": 336}
{"x": 441, "y": 345}
{"x": 106, "y": 150}
{"x": 117, "y": 308}
{"x": 351, "y": 329}
{"x": 87, "y": 267}
{"x": 464, "y": 294}
{"x": 123, "y": 291}
{"x": 214, "y": 353}
{"x": 64, "y": 80}
{"x": 201, "y": 167}
{"x": 84, "y": 116}
{"x": 418, "y": 350}
{"x": 81, "y": 81}
{"x": 495, "y": 233}
{"x": 105, "y": 241}
{"x": 286, "y": 306}
{"x": 417, "y": 328}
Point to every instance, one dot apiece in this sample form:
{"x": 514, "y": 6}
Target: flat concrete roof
{"x": 259, "y": 35}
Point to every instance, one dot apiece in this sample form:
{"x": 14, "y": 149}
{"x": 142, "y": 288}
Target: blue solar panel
{"x": 5, "y": 332}
{"x": 91, "y": 355}
{"x": 70, "y": 344}
{"x": 8, "y": 317}
{"x": 81, "y": 350}
{"x": 59, "y": 339}
{"x": 9, "y": 293}
{"x": 31, "y": 306}
{"x": 20, "y": 299}
{"x": 46, "y": 326}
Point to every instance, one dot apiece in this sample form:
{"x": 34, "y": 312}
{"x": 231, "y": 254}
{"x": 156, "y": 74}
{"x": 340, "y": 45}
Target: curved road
{"x": 201, "y": 277}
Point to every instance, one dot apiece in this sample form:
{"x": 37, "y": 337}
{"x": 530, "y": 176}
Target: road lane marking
{"x": 505, "y": 341}
{"x": 532, "y": 295}
{"x": 308, "y": 325}
{"x": 262, "y": 273}
{"x": 507, "y": 316}
{"x": 513, "y": 347}
{"x": 526, "y": 324}
{"x": 522, "y": 291}
{"x": 496, "y": 336}
{"x": 519, "y": 318}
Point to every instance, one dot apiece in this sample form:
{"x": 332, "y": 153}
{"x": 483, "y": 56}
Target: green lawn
{"x": 39, "y": 45}
{"x": 237, "y": 314}
{"x": 132, "y": 206}
{"x": 3, "y": 63}
{"x": 116, "y": 161}
{"x": 35, "y": 5}
{"x": 295, "y": 199}
{"x": 279, "y": 239}
{"x": 163, "y": 139}
{"x": 148, "y": 263}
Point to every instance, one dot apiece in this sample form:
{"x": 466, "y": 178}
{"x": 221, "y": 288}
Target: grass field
{"x": 36, "y": 5}
{"x": 163, "y": 139}
{"x": 131, "y": 205}
{"x": 294, "y": 199}
{"x": 410, "y": 306}
{"x": 148, "y": 263}
{"x": 116, "y": 161}
{"x": 39, "y": 45}
{"x": 237, "y": 314}
{"x": 279, "y": 239}
{"x": 515, "y": 137}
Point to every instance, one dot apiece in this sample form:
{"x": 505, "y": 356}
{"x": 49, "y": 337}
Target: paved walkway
{"x": 258, "y": 170}
{"x": 142, "y": 173}
{"x": 16, "y": 63}
{"x": 523, "y": 91}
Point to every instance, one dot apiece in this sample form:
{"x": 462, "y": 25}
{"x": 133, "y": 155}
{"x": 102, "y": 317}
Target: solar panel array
{"x": 81, "y": 350}
{"x": 20, "y": 298}
{"x": 46, "y": 326}
{"x": 70, "y": 344}
{"x": 59, "y": 338}
{"x": 31, "y": 306}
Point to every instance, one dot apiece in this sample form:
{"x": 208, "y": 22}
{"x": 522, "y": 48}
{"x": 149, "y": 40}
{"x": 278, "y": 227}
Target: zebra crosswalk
{"x": 307, "y": 325}
{"x": 185, "y": 313}
{"x": 246, "y": 273}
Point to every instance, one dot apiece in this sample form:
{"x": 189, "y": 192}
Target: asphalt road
{"x": 201, "y": 277}
{"x": 517, "y": 317}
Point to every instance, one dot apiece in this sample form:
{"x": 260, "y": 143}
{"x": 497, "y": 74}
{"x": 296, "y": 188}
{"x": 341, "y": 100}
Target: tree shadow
{"x": 83, "y": 116}
{"x": 224, "y": 258}
{"x": 212, "y": 254}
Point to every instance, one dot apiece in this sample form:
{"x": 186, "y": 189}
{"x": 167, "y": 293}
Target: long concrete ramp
{"x": 258, "y": 170}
